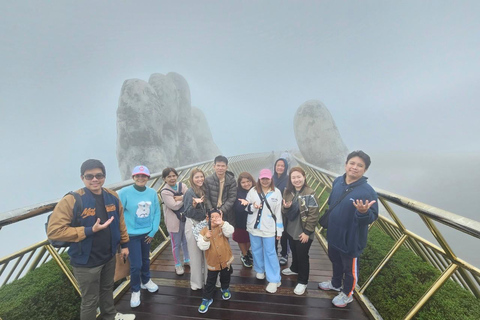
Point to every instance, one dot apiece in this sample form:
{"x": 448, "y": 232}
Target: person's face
{"x": 265, "y": 182}
{"x": 246, "y": 184}
{"x": 140, "y": 180}
{"x": 280, "y": 167}
{"x": 297, "y": 179}
{"x": 220, "y": 168}
{"x": 93, "y": 180}
{"x": 216, "y": 219}
{"x": 198, "y": 179}
{"x": 171, "y": 179}
{"x": 355, "y": 169}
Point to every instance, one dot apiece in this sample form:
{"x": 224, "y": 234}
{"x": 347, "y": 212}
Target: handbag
{"x": 325, "y": 217}
{"x": 122, "y": 267}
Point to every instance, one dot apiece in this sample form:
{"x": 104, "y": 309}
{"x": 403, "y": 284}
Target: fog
{"x": 400, "y": 79}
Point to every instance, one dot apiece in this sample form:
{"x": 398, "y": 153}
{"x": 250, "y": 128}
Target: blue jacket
{"x": 280, "y": 182}
{"x": 81, "y": 237}
{"x": 347, "y": 228}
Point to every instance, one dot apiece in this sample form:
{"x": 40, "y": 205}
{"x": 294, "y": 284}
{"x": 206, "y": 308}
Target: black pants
{"x": 300, "y": 259}
{"x": 209, "y": 288}
{"x": 283, "y": 243}
{"x": 344, "y": 268}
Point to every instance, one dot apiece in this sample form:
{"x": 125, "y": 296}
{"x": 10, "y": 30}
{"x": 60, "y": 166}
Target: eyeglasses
{"x": 99, "y": 176}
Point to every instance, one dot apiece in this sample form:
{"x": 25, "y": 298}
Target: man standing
{"x": 353, "y": 205}
{"x": 94, "y": 240}
{"x": 221, "y": 189}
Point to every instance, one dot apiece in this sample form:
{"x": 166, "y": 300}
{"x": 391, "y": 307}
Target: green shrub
{"x": 403, "y": 281}
{"x": 45, "y": 293}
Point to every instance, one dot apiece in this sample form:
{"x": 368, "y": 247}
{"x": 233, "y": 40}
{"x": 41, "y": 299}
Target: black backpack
{"x": 180, "y": 213}
{"x": 77, "y": 212}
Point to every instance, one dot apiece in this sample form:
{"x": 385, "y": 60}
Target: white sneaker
{"x": 135, "y": 299}
{"x": 121, "y": 316}
{"x": 300, "y": 289}
{"x": 288, "y": 272}
{"x": 327, "y": 285}
{"x": 272, "y": 287}
{"x": 260, "y": 276}
{"x": 150, "y": 286}
{"x": 342, "y": 300}
{"x": 179, "y": 270}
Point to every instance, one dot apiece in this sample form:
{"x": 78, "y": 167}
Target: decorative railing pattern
{"x": 18, "y": 264}
{"x": 441, "y": 257}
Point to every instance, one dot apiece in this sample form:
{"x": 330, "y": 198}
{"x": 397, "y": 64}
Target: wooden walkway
{"x": 175, "y": 299}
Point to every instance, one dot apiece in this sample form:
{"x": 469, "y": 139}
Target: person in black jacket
{"x": 280, "y": 179}
{"x": 245, "y": 183}
{"x": 221, "y": 189}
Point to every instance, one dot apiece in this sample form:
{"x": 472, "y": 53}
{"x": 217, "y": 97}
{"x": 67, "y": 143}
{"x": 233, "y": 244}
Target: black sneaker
{"x": 246, "y": 261}
{"x": 283, "y": 260}
{"x": 249, "y": 255}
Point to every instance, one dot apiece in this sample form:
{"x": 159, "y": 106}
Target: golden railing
{"x": 19, "y": 263}
{"x": 441, "y": 257}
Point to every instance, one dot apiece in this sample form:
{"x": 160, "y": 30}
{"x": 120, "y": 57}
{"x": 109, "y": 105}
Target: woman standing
{"x": 196, "y": 213}
{"x": 280, "y": 179}
{"x": 245, "y": 182}
{"x": 263, "y": 223}
{"x": 142, "y": 217}
{"x": 172, "y": 196}
{"x": 301, "y": 211}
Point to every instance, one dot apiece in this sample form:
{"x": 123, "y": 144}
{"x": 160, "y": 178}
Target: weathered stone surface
{"x": 157, "y": 126}
{"x": 318, "y": 137}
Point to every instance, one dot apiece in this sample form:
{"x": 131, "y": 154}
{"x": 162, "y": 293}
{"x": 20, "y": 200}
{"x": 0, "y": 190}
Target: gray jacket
{"x": 212, "y": 185}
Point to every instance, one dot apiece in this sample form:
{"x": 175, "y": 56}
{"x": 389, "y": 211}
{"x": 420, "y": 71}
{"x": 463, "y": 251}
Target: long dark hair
{"x": 290, "y": 187}
{"x": 199, "y": 191}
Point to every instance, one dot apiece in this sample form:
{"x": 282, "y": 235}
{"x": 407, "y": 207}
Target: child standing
{"x": 213, "y": 240}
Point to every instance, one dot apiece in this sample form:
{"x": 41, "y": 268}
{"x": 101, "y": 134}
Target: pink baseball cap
{"x": 265, "y": 173}
{"x": 141, "y": 170}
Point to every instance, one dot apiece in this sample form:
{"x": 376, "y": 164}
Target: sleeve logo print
{"x": 111, "y": 208}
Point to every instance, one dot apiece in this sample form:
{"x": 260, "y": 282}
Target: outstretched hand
{"x": 99, "y": 226}
{"x": 363, "y": 207}
{"x": 287, "y": 204}
{"x": 243, "y": 202}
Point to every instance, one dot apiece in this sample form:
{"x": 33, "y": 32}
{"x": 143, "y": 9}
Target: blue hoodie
{"x": 347, "y": 228}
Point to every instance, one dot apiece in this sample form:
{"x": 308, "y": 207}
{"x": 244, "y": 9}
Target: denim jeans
{"x": 139, "y": 261}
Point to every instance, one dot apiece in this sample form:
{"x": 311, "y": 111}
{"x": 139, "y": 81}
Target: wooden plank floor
{"x": 175, "y": 299}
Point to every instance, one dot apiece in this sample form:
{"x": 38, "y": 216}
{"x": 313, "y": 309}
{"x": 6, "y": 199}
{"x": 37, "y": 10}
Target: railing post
{"x": 63, "y": 266}
{"x": 392, "y": 251}
{"x": 435, "y": 286}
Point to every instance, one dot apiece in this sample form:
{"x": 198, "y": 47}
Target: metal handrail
{"x": 441, "y": 257}
{"x": 19, "y": 263}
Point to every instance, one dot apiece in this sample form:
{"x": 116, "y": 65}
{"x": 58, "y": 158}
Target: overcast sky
{"x": 400, "y": 78}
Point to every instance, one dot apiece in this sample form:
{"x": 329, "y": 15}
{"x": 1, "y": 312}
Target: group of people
{"x": 278, "y": 207}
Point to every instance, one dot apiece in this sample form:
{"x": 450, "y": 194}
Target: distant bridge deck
{"x": 175, "y": 299}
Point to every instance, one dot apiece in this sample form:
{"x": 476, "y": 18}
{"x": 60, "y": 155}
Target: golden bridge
{"x": 403, "y": 275}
